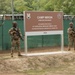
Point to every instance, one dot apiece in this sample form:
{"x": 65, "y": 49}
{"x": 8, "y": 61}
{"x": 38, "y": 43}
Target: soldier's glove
{"x": 14, "y": 32}
{"x": 73, "y": 32}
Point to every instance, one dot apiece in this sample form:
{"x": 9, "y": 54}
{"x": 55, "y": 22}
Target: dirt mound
{"x": 23, "y": 64}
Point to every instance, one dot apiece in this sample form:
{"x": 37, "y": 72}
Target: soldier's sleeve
{"x": 69, "y": 31}
{"x": 10, "y": 31}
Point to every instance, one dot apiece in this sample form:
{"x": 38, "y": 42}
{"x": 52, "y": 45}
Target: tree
{"x": 67, "y": 6}
{"x": 5, "y": 6}
{"x": 19, "y": 6}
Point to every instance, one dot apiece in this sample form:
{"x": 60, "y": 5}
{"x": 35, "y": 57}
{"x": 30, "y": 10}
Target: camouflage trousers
{"x": 15, "y": 44}
{"x": 71, "y": 42}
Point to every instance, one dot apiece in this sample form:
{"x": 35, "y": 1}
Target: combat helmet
{"x": 14, "y": 23}
{"x": 71, "y": 23}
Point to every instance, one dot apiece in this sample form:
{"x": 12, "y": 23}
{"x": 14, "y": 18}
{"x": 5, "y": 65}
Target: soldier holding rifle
{"x": 16, "y": 35}
{"x": 71, "y": 36}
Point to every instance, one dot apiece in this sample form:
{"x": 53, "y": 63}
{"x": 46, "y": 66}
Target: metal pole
{"x": 12, "y": 6}
{"x": 38, "y": 5}
{"x": 62, "y": 42}
{"x": 26, "y": 44}
{"x": 2, "y": 22}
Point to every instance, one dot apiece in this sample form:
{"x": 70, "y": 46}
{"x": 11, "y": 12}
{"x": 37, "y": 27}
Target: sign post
{"x": 43, "y": 23}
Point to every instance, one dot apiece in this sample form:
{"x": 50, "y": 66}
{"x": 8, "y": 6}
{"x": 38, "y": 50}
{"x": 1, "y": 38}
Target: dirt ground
{"x": 56, "y": 64}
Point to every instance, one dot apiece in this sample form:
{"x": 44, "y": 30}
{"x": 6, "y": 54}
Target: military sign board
{"x": 43, "y": 23}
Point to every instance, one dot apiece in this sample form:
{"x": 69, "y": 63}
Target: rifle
{"x": 73, "y": 33}
{"x": 18, "y": 33}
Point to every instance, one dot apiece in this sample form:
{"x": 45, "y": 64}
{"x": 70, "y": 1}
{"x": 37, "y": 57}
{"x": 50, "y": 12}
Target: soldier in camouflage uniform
{"x": 15, "y": 39}
{"x": 71, "y": 36}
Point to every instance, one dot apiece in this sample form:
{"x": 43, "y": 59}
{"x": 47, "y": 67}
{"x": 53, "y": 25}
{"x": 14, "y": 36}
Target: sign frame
{"x": 36, "y": 33}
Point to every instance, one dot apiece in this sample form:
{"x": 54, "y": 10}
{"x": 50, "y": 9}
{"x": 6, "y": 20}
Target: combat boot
{"x": 19, "y": 54}
{"x": 11, "y": 54}
{"x": 68, "y": 49}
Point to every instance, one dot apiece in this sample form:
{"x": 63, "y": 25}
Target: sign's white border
{"x": 43, "y": 33}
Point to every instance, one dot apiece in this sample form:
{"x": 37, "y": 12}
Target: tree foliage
{"x": 5, "y": 6}
{"x": 67, "y": 6}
